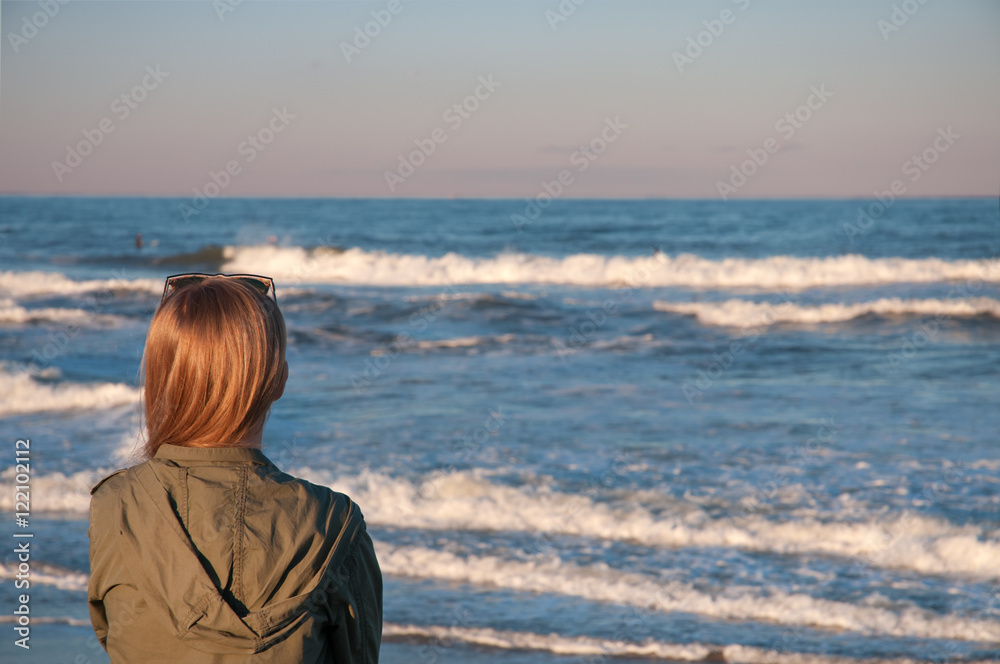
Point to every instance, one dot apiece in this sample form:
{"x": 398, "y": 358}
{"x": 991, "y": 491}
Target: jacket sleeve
{"x": 98, "y": 616}
{"x": 105, "y": 559}
{"x": 356, "y": 620}
{"x": 96, "y": 585}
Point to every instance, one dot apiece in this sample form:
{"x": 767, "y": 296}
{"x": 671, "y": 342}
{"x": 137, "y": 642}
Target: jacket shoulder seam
{"x": 97, "y": 486}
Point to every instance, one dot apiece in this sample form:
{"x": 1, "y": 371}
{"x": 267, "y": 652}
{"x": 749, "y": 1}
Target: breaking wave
{"x": 554, "y": 643}
{"x": 739, "y": 313}
{"x": 37, "y": 284}
{"x": 49, "y": 575}
{"x": 11, "y": 313}
{"x": 465, "y": 501}
{"x": 54, "y": 492}
{"x": 380, "y": 268}
{"x": 599, "y": 647}
{"x": 24, "y": 394}
{"x": 599, "y": 583}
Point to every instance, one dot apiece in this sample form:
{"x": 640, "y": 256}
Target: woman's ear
{"x": 284, "y": 379}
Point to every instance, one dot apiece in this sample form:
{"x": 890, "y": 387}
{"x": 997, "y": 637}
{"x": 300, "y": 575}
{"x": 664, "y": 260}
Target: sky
{"x": 477, "y": 98}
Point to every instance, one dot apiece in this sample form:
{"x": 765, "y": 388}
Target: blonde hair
{"x": 212, "y": 365}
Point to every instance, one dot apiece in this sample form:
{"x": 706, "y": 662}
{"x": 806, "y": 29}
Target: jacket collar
{"x": 186, "y": 455}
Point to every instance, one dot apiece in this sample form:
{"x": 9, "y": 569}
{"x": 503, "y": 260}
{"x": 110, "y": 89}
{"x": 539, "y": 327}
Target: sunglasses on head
{"x": 263, "y": 285}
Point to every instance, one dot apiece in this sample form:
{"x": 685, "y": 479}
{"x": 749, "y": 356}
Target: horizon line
{"x": 504, "y": 198}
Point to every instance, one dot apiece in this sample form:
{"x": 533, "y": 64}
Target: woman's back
{"x": 206, "y": 552}
{"x": 212, "y": 554}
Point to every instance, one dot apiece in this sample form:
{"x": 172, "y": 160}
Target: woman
{"x": 206, "y": 552}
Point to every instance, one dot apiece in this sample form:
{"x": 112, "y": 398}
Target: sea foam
{"x": 43, "y": 574}
{"x": 599, "y": 583}
{"x": 12, "y": 313}
{"x": 554, "y": 643}
{"x": 37, "y": 284}
{"x": 462, "y": 501}
{"x": 467, "y": 501}
{"x": 380, "y": 268}
{"x": 24, "y": 394}
{"x": 739, "y": 313}
{"x": 607, "y": 648}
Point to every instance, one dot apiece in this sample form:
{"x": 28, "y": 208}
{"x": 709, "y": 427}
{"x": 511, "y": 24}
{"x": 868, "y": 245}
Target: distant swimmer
{"x": 138, "y": 240}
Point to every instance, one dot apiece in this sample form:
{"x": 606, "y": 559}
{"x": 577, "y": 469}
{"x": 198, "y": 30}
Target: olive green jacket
{"x": 214, "y": 555}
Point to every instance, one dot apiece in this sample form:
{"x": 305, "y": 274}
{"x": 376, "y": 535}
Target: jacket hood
{"x": 169, "y": 574}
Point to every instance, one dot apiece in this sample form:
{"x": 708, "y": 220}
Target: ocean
{"x": 587, "y": 430}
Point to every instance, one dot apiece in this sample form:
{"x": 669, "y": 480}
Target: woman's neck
{"x": 253, "y": 438}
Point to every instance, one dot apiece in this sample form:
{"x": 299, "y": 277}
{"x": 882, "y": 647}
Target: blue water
{"x": 716, "y": 429}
